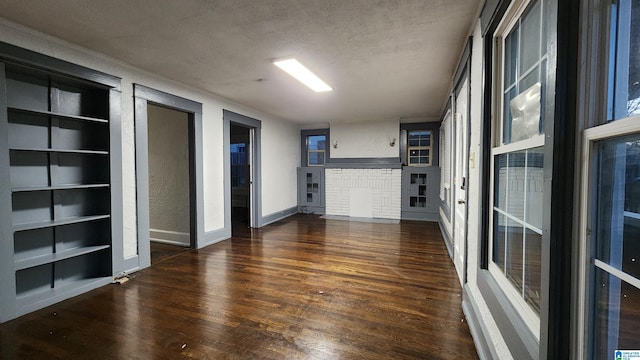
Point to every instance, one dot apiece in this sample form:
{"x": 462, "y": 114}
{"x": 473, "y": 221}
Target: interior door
{"x": 249, "y": 173}
{"x": 461, "y": 126}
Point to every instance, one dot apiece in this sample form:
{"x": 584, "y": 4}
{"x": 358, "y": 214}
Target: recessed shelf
{"x": 59, "y": 235}
{"x": 49, "y": 258}
{"x": 59, "y": 187}
{"x": 50, "y": 223}
{"x": 56, "y": 114}
{"x": 90, "y": 152}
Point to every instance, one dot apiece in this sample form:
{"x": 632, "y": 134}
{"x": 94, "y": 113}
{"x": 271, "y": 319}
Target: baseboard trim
{"x": 469, "y": 307}
{"x": 446, "y": 237}
{"x": 131, "y": 264}
{"x": 169, "y": 242}
{"x": 170, "y": 237}
{"x": 215, "y": 236}
{"x": 279, "y": 215}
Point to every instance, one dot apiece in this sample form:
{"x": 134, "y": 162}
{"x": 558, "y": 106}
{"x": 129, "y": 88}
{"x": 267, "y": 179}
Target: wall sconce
{"x": 335, "y": 144}
{"x": 392, "y": 142}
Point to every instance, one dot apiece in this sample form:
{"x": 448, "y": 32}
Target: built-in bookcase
{"x": 57, "y": 130}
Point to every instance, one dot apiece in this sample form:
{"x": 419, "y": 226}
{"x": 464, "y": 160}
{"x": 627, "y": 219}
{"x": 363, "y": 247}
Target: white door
{"x": 460, "y": 123}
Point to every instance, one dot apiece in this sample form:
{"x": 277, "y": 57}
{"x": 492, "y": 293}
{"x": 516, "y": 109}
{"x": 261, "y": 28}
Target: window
{"x": 419, "y": 148}
{"x": 624, "y": 60}
{"x": 610, "y": 246}
{"x": 517, "y": 157}
{"x": 446, "y": 146}
{"x": 314, "y": 147}
{"x": 238, "y": 164}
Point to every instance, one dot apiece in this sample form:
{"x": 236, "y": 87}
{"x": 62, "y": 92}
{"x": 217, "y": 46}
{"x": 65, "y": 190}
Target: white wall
{"x": 360, "y": 140}
{"x": 280, "y": 139}
{"x": 168, "y": 174}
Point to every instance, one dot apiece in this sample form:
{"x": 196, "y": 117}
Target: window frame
{"x": 418, "y": 148}
{"x": 510, "y": 20}
{"x": 600, "y": 112}
{"x": 434, "y": 128}
{"x": 304, "y": 146}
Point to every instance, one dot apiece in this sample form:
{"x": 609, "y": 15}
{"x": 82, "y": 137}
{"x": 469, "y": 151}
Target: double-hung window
{"x": 419, "y": 148}
{"x": 314, "y": 147}
{"x": 610, "y": 218}
{"x": 517, "y": 156}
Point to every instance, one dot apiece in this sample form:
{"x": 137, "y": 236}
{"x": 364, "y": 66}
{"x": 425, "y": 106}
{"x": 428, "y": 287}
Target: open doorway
{"x": 242, "y": 172}
{"x": 240, "y": 152}
{"x": 169, "y": 181}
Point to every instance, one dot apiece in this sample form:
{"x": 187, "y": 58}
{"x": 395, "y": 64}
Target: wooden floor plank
{"x": 303, "y": 288}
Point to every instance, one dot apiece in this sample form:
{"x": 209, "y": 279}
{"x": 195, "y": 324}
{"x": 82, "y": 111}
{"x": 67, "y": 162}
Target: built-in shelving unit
{"x": 57, "y": 130}
{"x": 420, "y": 186}
{"x": 311, "y": 197}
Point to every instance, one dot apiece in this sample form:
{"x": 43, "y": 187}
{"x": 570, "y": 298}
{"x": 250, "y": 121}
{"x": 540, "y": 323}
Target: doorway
{"x": 169, "y": 177}
{"x": 139, "y": 257}
{"x": 240, "y": 160}
{"x": 243, "y": 205}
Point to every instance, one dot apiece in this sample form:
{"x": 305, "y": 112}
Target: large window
{"x": 612, "y": 183}
{"x": 518, "y": 157}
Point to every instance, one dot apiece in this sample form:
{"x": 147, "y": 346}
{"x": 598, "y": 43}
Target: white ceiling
{"x": 385, "y": 59}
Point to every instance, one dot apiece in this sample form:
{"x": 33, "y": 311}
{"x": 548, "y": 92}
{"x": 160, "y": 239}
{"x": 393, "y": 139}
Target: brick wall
{"x": 374, "y": 193}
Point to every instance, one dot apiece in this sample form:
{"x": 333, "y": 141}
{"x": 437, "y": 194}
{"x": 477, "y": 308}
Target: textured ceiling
{"x": 385, "y": 59}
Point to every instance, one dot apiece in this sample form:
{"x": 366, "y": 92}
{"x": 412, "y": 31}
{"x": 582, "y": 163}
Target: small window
{"x": 419, "y": 148}
{"x": 314, "y": 151}
{"x": 316, "y": 148}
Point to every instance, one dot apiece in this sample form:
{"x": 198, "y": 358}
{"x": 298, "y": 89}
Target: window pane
{"x": 499, "y": 238}
{"x": 500, "y": 179}
{"x": 316, "y": 142}
{"x": 414, "y": 142}
{"x": 507, "y": 118}
{"x": 624, "y": 72}
{"x": 514, "y": 265}
{"x": 633, "y": 100}
{"x": 510, "y": 56}
{"x": 316, "y": 158}
{"x": 530, "y": 78}
{"x": 618, "y": 217}
{"x": 530, "y": 38}
{"x": 533, "y": 253}
{"x": 534, "y": 187}
{"x": 617, "y": 315}
{"x": 513, "y": 178}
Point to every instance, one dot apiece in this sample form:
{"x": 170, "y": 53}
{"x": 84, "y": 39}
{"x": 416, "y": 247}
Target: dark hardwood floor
{"x": 159, "y": 251}
{"x": 303, "y": 288}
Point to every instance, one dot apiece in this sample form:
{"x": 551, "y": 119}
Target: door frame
{"x": 463, "y": 73}
{"x": 255, "y": 185}
{"x": 143, "y": 96}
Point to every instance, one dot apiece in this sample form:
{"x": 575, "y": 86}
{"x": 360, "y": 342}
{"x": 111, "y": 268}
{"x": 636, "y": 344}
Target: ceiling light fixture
{"x": 294, "y": 68}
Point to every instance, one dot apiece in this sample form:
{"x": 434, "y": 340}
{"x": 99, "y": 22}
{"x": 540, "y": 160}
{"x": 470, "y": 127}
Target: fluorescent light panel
{"x": 294, "y": 68}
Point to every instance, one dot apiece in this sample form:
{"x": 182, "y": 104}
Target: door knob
{"x": 461, "y": 201}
